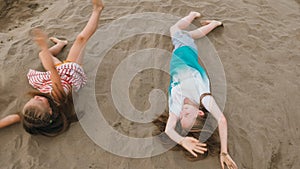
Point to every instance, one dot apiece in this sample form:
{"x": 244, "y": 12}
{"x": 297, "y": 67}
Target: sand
{"x": 258, "y": 47}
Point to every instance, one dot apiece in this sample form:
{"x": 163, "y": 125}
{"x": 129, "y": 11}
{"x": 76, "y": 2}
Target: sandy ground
{"x": 259, "y": 49}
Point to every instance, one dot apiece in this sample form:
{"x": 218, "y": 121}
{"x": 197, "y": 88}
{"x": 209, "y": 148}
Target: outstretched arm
{"x": 189, "y": 143}
{"x": 47, "y": 61}
{"x": 210, "y": 104}
{"x": 170, "y": 128}
{"x": 9, "y": 120}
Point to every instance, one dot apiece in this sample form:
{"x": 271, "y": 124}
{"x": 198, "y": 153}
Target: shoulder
{"x": 171, "y": 113}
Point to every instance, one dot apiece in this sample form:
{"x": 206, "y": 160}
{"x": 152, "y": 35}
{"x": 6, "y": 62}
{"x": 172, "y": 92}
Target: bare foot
{"x": 195, "y": 14}
{"x": 40, "y": 38}
{"x": 206, "y": 22}
{"x": 98, "y": 5}
{"x": 58, "y": 41}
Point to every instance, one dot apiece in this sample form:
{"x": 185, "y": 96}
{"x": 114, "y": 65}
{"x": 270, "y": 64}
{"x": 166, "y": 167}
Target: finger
{"x": 201, "y": 148}
{"x": 199, "y": 151}
{"x": 201, "y": 144}
{"x": 194, "y": 140}
{"x": 227, "y": 164}
{"x": 222, "y": 164}
{"x": 193, "y": 153}
{"x": 234, "y": 166}
{"x": 231, "y": 166}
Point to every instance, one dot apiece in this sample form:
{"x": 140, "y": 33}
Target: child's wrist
{"x": 224, "y": 149}
{"x": 224, "y": 154}
{"x": 181, "y": 140}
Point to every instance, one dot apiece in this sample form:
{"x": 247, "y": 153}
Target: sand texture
{"x": 258, "y": 47}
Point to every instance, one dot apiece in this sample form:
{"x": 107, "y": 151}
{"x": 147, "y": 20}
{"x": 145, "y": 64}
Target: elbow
{"x": 17, "y": 118}
{"x": 41, "y": 53}
{"x": 168, "y": 131}
{"x": 223, "y": 120}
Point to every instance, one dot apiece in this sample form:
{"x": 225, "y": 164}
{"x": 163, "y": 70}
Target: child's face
{"x": 188, "y": 115}
{"x": 39, "y": 102}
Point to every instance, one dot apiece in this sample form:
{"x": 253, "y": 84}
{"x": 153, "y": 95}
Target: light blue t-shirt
{"x": 188, "y": 79}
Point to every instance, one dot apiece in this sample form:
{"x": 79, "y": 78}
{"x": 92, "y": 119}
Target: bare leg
{"x": 56, "y": 49}
{"x": 75, "y": 54}
{"x": 204, "y": 30}
{"x": 184, "y": 22}
{"x": 59, "y": 45}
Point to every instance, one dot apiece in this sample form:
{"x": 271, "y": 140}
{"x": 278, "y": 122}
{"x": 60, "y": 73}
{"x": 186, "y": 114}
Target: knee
{"x": 81, "y": 38}
{"x": 41, "y": 53}
{"x": 173, "y": 29}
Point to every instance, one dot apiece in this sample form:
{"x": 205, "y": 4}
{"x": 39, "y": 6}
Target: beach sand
{"x": 258, "y": 47}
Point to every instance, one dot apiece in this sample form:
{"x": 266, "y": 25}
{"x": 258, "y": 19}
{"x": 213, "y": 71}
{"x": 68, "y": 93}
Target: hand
{"x": 225, "y": 158}
{"x": 40, "y": 38}
{"x": 193, "y": 145}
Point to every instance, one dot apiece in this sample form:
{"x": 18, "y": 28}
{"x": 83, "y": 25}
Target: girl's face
{"x": 39, "y": 102}
{"x": 188, "y": 115}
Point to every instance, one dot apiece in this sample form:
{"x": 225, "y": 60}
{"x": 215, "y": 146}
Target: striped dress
{"x": 72, "y": 77}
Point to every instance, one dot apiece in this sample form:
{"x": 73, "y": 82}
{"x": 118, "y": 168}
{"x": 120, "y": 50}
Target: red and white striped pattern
{"x": 71, "y": 74}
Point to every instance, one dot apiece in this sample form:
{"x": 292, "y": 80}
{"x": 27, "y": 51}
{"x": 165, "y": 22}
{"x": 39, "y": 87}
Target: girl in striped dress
{"x": 49, "y": 110}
